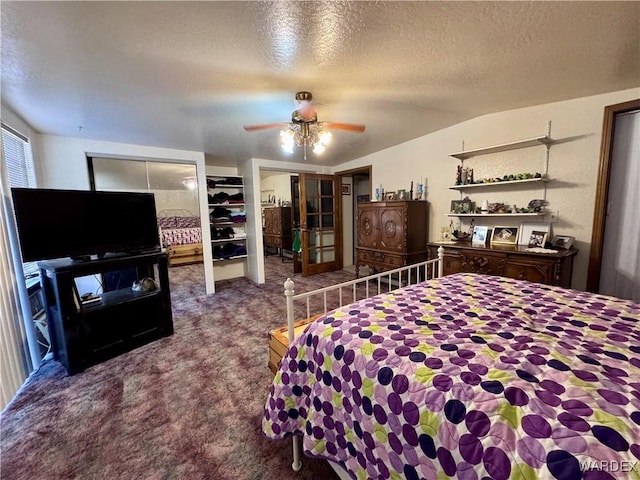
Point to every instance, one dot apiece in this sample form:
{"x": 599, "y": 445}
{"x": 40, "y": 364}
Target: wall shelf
{"x": 215, "y": 259}
{"x": 504, "y": 147}
{"x": 478, "y": 215}
{"x": 498, "y": 184}
{"x": 227, "y": 240}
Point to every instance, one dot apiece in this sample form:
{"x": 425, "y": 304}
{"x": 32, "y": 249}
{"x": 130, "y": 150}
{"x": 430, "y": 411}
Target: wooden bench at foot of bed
{"x": 184, "y": 254}
{"x": 279, "y": 341}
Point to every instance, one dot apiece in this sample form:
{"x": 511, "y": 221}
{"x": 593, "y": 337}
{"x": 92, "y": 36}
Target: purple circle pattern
{"x": 468, "y": 375}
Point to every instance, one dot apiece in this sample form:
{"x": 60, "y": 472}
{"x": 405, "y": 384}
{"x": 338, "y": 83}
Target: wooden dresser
{"x": 507, "y": 261}
{"x": 277, "y": 231}
{"x": 391, "y": 234}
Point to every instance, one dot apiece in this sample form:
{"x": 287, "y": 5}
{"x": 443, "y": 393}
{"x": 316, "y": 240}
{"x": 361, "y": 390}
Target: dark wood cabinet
{"x": 118, "y": 320}
{"x": 391, "y": 234}
{"x": 277, "y": 231}
{"x": 507, "y": 261}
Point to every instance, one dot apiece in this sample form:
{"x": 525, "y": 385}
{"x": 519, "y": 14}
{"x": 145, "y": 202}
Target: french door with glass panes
{"x": 321, "y": 223}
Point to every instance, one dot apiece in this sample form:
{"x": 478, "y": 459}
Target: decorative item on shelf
{"x": 401, "y": 194}
{"x": 509, "y": 178}
{"x": 377, "y": 195}
{"x": 462, "y": 206}
{"x": 459, "y": 175}
{"x": 505, "y": 235}
{"x": 537, "y": 205}
{"x": 485, "y": 206}
{"x": 410, "y": 197}
{"x": 462, "y": 235}
{"x": 419, "y": 190}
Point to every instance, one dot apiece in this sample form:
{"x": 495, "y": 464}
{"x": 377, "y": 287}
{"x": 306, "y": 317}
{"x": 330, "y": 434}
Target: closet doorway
{"x": 175, "y": 189}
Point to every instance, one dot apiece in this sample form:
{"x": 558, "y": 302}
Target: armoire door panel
{"x": 392, "y": 235}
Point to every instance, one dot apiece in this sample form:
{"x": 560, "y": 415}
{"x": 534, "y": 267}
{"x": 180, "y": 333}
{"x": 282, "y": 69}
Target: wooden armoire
{"x": 391, "y": 234}
{"x": 278, "y": 229}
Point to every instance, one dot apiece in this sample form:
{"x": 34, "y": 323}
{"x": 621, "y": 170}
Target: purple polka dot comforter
{"x": 469, "y": 377}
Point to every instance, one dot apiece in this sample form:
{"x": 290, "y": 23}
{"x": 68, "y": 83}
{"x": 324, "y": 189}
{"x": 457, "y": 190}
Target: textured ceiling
{"x": 189, "y": 75}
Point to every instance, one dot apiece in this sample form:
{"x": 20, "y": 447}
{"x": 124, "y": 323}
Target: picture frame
{"x": 346, "y": 189}
{"x": 563, "y": 241}
{"x": 505, "y": 235}
{"x": 462, "y": 206}
{"x": 390, "y": 196}
{"x": 401, "y": 194}
{"x": 537, "y": 239}
{"x": 480, "y": 235}
{"x": 527, "y": 228}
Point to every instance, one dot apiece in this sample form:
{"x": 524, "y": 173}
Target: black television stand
{"x": 87, "y": 333}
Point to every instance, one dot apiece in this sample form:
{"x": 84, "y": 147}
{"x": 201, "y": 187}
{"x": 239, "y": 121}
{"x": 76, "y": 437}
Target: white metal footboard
{"x": 347, "y": 292}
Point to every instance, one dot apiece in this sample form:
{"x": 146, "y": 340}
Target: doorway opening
{"x": 356, "y": 188}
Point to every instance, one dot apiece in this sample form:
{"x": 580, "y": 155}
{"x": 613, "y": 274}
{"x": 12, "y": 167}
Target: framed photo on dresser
{"x": 480, "y": 235}
{"x": 537, "y": 239}
{"x": 562, "y": 241}
{"x": 526, "y": 229}
{"x": 505, "y": 235}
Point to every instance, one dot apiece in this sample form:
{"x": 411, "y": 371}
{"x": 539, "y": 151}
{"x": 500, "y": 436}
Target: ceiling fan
{"x": 304, "y": 129}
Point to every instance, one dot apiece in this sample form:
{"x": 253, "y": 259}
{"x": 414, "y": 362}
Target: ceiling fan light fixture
{"x": 325, "y": 137}
{"x": 319, "y": 148}
{"x": 304, "y": 130}
{"x": 287, "y": 140}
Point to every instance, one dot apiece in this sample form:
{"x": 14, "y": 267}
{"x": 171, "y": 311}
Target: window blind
{"x": 19, "y": 354}
{"x": 20, "y": 172}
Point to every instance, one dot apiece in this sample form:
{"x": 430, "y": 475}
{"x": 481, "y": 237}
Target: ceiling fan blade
{"x": 251, "y": 128}
{"x": 344, "y": 126}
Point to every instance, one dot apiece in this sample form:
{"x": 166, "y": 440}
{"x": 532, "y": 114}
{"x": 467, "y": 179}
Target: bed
{"x": 181, "y": 236}
{"x": 465, "y": 376}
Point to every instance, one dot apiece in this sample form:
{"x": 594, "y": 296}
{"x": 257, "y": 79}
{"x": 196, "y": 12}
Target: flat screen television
{"x": 79, "y": 223}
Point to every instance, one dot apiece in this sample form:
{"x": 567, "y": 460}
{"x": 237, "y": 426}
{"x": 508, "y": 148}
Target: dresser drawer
{"x": 374, "y": 258}
{"x": 541, "y": 272}
{"x": 182, "y": 254}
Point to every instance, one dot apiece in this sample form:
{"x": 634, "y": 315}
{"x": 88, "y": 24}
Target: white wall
{"x": 576, "y": 126}
{"x": 275, "y": 183}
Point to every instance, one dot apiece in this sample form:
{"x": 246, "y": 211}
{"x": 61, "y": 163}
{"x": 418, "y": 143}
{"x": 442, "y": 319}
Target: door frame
{"x": 368, "y": 170}
{"x": 602, "y": 190}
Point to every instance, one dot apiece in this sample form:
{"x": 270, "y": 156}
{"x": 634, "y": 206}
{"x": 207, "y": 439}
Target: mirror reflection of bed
{"x": 180, "y": 235}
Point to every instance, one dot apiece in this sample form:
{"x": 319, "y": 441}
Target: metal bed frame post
{"x": 289, "y": 292}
